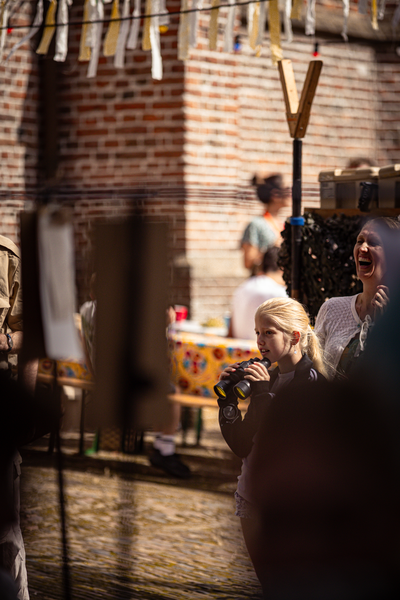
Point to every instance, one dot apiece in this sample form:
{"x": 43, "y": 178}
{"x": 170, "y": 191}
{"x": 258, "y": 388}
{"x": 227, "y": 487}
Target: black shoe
{"x": 170, "y": 464}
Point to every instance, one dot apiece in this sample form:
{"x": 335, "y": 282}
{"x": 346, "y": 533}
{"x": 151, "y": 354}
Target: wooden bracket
{"x": 298, "y": 113}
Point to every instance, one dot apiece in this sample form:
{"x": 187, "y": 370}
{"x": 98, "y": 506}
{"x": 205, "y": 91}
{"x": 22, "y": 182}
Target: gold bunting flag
{"x": 84, "y": 50}
{"x": 213, "y": 29}
{"x": 111, "y": 39}
{"x": 274, "y": 24}
{"x": 255, "y": 26}
{"x": 49, "y": 28}
{"x": 296, "y": 9}
{"x": 146, "y": 43}
{"x": 184, "y": 32}
{"x": 374, "y": 14}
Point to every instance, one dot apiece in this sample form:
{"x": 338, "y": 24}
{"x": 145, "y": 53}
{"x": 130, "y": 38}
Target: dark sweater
{"x": 238, "y": 432}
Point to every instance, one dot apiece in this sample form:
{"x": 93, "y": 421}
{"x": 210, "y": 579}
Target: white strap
{"x": 194, "y": 23}
{"x": 228, "y": 37}
{"x": 134, "y": 31}
{"x": 287, "y": 21}
{"x": 119, "y": 58}
{"x": 156, "y": 60}
{"x": 62, "y": 30}
{"x": 346, "y": 9}
{"x": 98, "y": 15}
{"x": 310, "y": 18}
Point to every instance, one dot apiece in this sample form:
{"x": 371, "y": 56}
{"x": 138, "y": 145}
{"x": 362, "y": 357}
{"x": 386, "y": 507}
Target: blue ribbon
{"x": 297, "y": 221}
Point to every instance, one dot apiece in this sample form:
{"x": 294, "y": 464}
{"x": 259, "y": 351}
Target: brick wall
{"x": 121, "y": 128}
{"x": 88, "y": 211}
{"x": 19, "y": 127}
{"x": 236, "y": 125}
{"x": 388, "y": 114}
{"x": 184, "y": 149}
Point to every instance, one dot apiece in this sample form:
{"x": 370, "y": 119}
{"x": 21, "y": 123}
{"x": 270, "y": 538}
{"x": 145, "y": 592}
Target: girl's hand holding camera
{"x": 225, "y": 374}
{"x": 255, "y": 372}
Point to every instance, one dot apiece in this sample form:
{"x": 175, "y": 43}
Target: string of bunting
{"x": 123, "y": 27}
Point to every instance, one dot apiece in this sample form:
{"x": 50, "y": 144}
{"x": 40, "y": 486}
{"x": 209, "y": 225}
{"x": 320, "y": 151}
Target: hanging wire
{"x": 134, "y": 17}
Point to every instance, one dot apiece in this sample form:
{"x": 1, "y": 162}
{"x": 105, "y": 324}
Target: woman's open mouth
{"x": 364, "y": 262}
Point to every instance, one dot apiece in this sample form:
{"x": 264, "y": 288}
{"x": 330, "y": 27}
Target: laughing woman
{"x": 342, "y": 324}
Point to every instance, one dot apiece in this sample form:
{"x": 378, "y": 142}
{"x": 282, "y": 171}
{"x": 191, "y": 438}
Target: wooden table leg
{"x": 199, "y": 426}
{"x": 82, "y": 424}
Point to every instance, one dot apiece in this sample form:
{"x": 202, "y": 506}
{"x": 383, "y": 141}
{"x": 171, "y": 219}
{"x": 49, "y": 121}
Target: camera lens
{"x": 242, "y": 389}
{"x": 221, "y": 388}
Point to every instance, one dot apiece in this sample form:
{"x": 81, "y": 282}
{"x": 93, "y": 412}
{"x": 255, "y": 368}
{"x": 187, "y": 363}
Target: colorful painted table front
{"x": 198, "y": 359}
{"x": 65, "y": 369}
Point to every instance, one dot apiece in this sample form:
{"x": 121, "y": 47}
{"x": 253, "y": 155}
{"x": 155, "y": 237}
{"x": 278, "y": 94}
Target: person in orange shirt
{"x": 265, "y": 231}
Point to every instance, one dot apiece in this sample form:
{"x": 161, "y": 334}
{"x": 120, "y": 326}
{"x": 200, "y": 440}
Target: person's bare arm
{"x": 16, "y": 337}
{"x": 27, "y": 373}
{"x": 251, "y": 255}
{"x": 88, "y": 361}
{"x": 27, "y": 369}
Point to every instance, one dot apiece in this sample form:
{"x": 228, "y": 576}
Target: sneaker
{"x": 171, "y": 464}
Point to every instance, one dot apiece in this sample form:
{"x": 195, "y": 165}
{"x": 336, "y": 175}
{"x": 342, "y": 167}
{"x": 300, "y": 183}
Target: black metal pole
{"x": 296, "y": 220}
{"x": 63, "y": 517}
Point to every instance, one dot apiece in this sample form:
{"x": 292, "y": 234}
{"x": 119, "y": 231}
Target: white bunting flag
{"x": 62, "y": 30}
{"x": 134, "y": 31}
{"x": 119, "y": 57}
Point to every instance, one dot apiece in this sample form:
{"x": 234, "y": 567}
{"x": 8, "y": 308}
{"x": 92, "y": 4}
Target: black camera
{"x": 241, "y": 386}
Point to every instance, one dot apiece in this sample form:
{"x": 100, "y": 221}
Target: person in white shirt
{"x": 253, "y": 292}
{"x": 343, "y": 323}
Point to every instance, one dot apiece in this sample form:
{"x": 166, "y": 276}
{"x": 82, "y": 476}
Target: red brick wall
{"x": 236, "y": 125}
{"x": 388, "y": 114}
{"x": 121, "y": 128}
{"x": 184, "y": 149}
{"x": 19, "y": 127}
{"x": 88, "y": 211}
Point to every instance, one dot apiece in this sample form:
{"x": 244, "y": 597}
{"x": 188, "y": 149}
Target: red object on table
{"x": 181, "y": 312}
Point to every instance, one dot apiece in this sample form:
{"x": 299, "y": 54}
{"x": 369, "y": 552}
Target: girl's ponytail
{"x": 314, "y": 352}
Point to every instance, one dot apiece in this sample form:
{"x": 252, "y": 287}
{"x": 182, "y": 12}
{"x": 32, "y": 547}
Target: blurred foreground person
{"x": 16, "y": 429}
{"x": 24, "y": 418}
{"x": 326, "y": 494}
{"x": 8, "y": 590}
{"x": 12, "y": 551}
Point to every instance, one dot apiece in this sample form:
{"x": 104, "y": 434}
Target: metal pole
{"x": 296, "y": 220}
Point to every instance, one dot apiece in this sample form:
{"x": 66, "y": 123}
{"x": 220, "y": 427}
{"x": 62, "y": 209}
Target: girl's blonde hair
{"x": 289, "y": 316}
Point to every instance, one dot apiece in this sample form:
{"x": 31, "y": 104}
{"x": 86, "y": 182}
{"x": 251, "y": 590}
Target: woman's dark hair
{"x": 360, "y": 161}
{"x": 267, "y": 186}
{"x": 270, "y": 260}
{"x": 384, "y": 222}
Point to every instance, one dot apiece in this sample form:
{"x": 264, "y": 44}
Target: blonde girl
{"x": 288, "y": 325}
{"x": 285, "y": 338}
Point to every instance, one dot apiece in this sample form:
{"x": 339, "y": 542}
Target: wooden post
{"x": 297, "y": 115}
